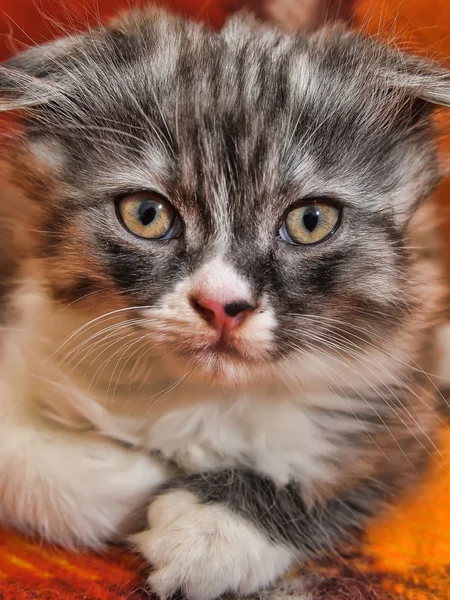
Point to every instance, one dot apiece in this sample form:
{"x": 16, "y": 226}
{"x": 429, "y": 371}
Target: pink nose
{"x": 223, "y": 317}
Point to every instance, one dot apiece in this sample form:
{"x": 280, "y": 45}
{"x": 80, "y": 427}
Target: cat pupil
{"x": 311, "y": 218}
{"x": 147, "y": 212}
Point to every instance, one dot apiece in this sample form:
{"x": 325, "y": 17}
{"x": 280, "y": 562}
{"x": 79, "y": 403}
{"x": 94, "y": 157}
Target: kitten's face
{"x": 246, "y": 193}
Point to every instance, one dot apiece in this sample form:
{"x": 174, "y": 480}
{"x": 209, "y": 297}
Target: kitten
{"x": 221, "y": 293}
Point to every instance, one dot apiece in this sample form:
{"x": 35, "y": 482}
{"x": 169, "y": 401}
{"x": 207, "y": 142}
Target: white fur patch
{"x": 206, "y": 550}
{"x": 218, "y": 280}
{"x": 281, "y": 440}
{"x": 49, "y": 152}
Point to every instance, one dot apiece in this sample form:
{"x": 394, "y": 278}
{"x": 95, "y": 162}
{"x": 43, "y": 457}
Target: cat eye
{"x": 310, "y": 223}
{"x": 148, "y": 215}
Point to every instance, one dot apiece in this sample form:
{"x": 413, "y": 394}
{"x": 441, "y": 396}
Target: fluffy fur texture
{"x": 278, "y": 443}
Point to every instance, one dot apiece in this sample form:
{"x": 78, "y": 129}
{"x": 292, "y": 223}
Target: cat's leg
{"x": 68, "y": 487}
{"x": 236, "y": 531}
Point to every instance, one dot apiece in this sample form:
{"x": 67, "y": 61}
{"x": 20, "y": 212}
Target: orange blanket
{"x": 406, "y": 555}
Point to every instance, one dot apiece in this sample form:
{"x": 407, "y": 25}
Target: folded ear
{"x": 422, "y": 79}
{"x": 33, "y": 77}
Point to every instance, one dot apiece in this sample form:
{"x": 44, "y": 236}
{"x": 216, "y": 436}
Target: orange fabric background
{"x": 34, "y": 21}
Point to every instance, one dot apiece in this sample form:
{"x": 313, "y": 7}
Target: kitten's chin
{"x": 225, "y": 367}
{"x": 224, "y": 372}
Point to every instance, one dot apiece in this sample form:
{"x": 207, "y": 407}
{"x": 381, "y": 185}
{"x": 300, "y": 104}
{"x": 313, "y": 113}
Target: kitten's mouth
{"x": 225, "y": 360}
{"x": 222, "y": 348}
{"x": 225, "y": 347}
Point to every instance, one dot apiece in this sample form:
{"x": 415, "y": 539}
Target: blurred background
{"x": 420, "y": 26}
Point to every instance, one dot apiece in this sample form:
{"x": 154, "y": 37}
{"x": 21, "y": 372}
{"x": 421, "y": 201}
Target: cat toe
{"x": 206, "y": 550}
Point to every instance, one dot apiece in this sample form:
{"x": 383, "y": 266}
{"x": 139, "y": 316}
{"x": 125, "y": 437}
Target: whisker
{"x": 99, "y": 334}
{"x": 343, "y": 397}
{"x": 414, "y": 366}
{"x": 380, "y": 394}
{"x": 398, "y": 400}
{"x": 96, "y": 320}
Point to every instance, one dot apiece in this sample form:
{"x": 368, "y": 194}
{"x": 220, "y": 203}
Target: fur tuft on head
{"x": 41, "y": 74}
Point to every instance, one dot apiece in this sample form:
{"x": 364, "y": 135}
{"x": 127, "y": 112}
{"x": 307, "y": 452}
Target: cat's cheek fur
{"x": 206, "y": 550}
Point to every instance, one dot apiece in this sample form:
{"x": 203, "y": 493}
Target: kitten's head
{"x": 246, "y": 196}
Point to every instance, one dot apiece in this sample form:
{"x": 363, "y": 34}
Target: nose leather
{"x": 224, "y": 318}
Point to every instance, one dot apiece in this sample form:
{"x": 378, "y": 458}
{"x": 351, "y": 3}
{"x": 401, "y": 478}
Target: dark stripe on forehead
{"x": 124, "y": 49}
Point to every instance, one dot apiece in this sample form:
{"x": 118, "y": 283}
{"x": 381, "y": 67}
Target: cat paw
{"x": 206, "y": 550}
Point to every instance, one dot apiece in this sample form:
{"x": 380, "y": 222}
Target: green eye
{"x": 149, "y": 216}
{"x": 310, "y": 224}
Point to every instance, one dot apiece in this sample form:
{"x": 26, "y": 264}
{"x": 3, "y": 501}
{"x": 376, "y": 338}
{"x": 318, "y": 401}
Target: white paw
{"x": 205, "y": 550}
